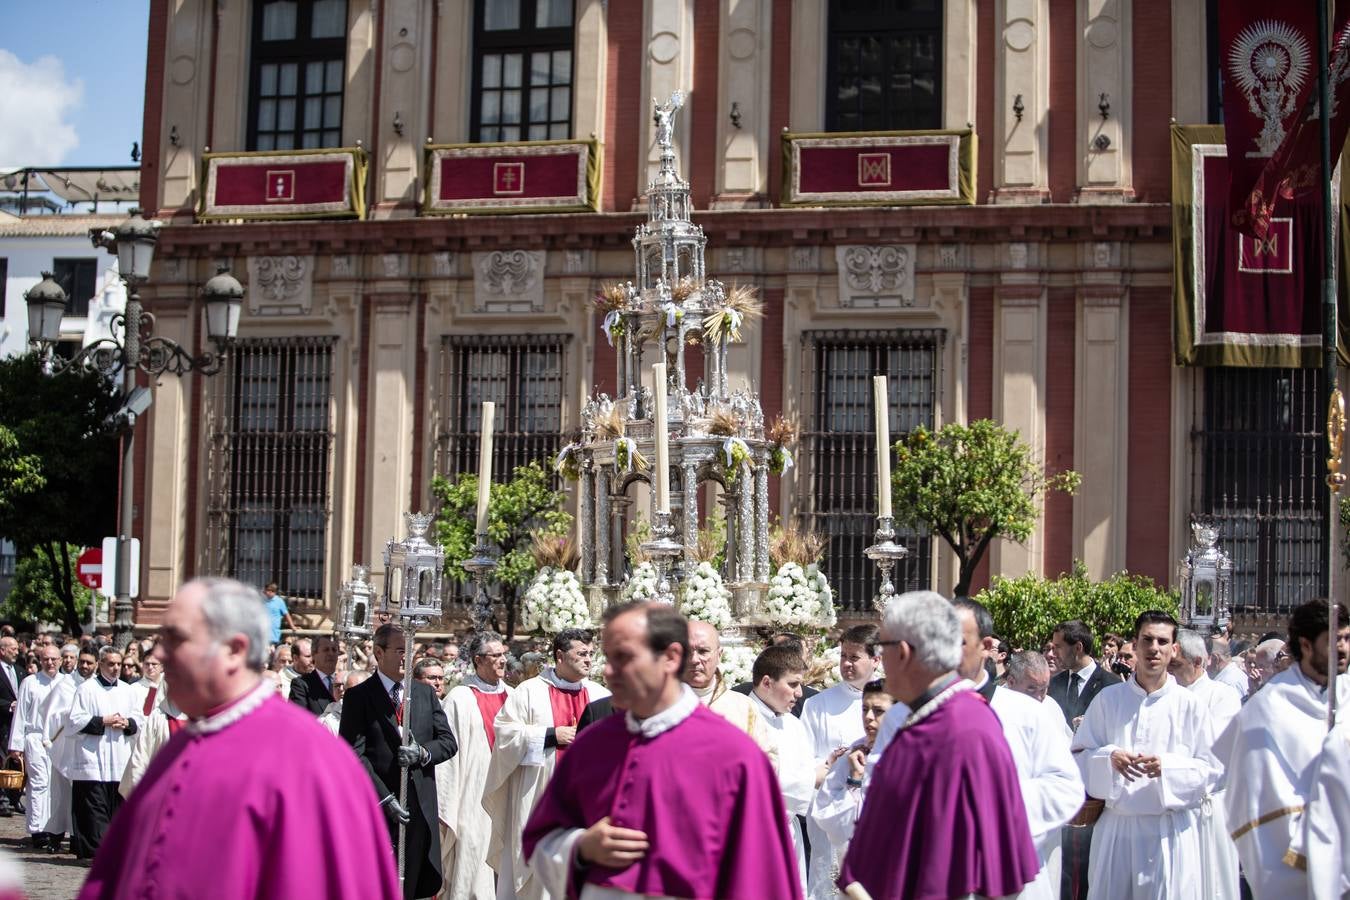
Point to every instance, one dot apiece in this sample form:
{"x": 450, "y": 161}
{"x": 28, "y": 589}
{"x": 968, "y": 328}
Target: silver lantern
{"x": 358, "y": 596}
{"x": 1206, "y": 576}
{"x": 412, "y": 573}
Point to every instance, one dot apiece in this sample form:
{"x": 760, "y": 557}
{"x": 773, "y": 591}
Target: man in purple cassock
{"x": 942, "y": 816}
{"x": 253, "y": 798}
{"x": 666, "y": 800}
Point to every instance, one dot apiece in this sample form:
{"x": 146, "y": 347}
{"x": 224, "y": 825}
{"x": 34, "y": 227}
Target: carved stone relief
{"x": 443, "y": 264}
{"x": 392, "y": 264}
{"x": 576, "y": 262}
{"x": 876, "y": 276}
{"x": 508, "y": 281}
{"x": 280, "y": 285}
{"x": 804, "y": 259}
{"x": 342, "y": 267}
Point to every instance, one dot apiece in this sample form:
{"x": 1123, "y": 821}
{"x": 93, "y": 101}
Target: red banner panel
{"x": 894, "y": 168}
{"x": 537, "y": 176}
{"x": 300, "y": 185}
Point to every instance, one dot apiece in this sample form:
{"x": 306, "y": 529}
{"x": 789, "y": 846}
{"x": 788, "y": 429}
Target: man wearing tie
{"x": 1080, "y": 678}
{"x": 314, "y": 689}
{"x": 372, "y": 713}
{"x": 9, "y": 699}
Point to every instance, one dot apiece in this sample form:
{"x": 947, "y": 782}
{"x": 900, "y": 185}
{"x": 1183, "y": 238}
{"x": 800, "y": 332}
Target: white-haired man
{"x": 1052, "y": 787}
{"x": 704, "y": 677}
{"x": 62, "y": 741}
{"x": 28, "y": 743}
{"x": 105, "y": 716}
{"x": 466, "y": 828}
{"x": 216, "y": 811}
{"x": 944, "y": 815}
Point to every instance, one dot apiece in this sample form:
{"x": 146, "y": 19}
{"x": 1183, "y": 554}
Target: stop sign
{"x": 89, "y": 568}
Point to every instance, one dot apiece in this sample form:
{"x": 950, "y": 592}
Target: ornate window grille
{"x": 525, "y": 375}
{"x": 297, "y": 74}
{"x": 1257, "y": 467}
{"x": 884, "y": 65}
{"x": 838, "y": 446}
{"x": 270, "y": 459}
{"x": 522, "y": 79}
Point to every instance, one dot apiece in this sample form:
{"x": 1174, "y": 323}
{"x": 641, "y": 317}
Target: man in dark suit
{"x": 371, "y": 716}
{"x": 314, "y": 689}
{"x": 10, "y": 676}
{"x": 1079, "y": 678}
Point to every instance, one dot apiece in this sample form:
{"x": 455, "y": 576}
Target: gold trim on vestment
{"x": 1297, "y": 860}
{"x": 1268, "y": 817}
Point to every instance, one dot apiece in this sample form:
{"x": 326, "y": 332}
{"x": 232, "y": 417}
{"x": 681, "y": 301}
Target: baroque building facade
{"x": 367, "y": 343}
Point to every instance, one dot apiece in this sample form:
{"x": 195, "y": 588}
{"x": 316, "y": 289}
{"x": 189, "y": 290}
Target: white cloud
{"x": 34, "y": 107}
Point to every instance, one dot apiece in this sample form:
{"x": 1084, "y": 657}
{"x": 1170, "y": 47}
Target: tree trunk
{"x": 60, "y": 570}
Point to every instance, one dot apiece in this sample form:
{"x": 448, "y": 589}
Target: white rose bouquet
{"x": 800, "y": 596}
{"x": 554, "y": 602}
{"x": 641, "y": 583}
{"x": 705, "y": 598}
{"x": 738, "y": 661}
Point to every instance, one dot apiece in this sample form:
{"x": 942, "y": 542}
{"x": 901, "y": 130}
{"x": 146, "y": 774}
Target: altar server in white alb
{"x": 1145, "y": 747}
{"x": 105, "y": 717}
{"x": 1220, "y": 863}
{"x": 1052, "y": 788}
{"x": 1321, "y": 848}
{"x": 28, "y": 743}
{"x": 1272, "y": 746}
{"x": 62, "y": 741}
{"x": 777, "y": 677}
{"x": 535, "y": 727}
{"x": 471, "y": 709}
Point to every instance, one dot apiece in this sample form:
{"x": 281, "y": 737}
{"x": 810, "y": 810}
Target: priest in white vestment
{"x": 1322, "y": 846}
{"x": 104, "y": 716}
{"x": 1271, "y": 747}
{"x": 62, "y": 739}
{"x": 148, "y": 691}
{"x": 1038, "y": 736}
{"x": 1224, "y": 669}
{"x": 163, "y": 723}
{"x": 1220, "y": 864}
{"x": 777, "y": 677}
{"x": 471, "y": 709}
{"x": 536, "y": 725}
{"x": 28, "y": 743}
{"x": 833, "y": 721}
{"x": 705, "y": 678}
{"x": 1145, "y": 747}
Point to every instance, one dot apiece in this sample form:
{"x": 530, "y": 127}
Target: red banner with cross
{"x": 1241, "y": 299}
{"x": 304, "y": 184}
{"x": 533, "y": 176}
{"x": 897, "y": 168}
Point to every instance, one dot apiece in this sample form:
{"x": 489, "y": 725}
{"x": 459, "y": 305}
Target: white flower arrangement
{"x": 705, "y": 598}
{"x": 641, "y": 583}
{"x": 800, "y": 596}
{"x": 554, "y": 602}
{"x": 738, "y": 661}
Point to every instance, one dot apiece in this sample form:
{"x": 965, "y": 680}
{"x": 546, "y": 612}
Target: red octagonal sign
{"x": 89, "y": 568}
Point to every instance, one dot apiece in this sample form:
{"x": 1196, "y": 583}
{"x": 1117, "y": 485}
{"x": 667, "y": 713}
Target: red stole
{"x": 175, "y": 724}
{"x": 150, "y": 700}
{"x": 567, "y": 708}
{"x": 488, "y": 707}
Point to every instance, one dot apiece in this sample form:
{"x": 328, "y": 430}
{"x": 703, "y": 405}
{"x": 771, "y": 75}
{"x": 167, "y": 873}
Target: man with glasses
{"x": 466, "y": 829}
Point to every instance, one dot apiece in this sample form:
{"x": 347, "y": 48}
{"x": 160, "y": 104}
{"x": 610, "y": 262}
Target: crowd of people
{"x": 943, "y": 763}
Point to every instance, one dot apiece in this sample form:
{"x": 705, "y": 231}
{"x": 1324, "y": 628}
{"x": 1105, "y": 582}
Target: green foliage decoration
{"x": 39, "y": 584}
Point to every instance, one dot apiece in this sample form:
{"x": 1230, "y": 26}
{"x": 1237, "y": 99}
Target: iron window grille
{"x": 79, "y": 279}
{"x": 522, "y": 76}
{"x": 838, "y": 463}
{"x": 297, "y": 74}
{"x": 1256, "y": 462}
{"x": 270, "y": 458}
{"x": 884, "y": 65}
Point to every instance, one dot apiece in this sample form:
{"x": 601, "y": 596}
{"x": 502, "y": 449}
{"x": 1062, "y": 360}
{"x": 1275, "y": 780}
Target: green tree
{"x": 69, "y": 425}
{"x": 969, "y": 485}
{"x": 35, "y": 599}
{"x": 516, "y": 508}
{"x": 1027, "y": 609}
{"x": 20, "y": 473}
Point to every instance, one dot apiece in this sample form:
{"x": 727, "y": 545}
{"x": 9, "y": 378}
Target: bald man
{"x": 1265, "y": 666}
{"x": 702, "y": 674}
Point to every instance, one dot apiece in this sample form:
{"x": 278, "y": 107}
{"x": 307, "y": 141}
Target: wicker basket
{"x": 1088, "y": 813}
{"x": 12, "y": 779}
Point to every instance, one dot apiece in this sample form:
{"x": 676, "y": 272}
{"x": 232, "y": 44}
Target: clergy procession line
{"x": 964, "y": 770}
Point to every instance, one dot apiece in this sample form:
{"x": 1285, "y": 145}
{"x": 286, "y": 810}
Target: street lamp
{"x": 134, "y": 345}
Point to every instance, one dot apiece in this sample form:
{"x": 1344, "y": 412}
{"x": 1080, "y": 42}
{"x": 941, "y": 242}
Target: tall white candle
{"x": 661, "y": 427}
{"x": 883, "y": 413}
{"x": 485, "y": 463}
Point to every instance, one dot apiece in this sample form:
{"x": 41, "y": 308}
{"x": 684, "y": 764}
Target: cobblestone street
{"x": 46, "y": 876}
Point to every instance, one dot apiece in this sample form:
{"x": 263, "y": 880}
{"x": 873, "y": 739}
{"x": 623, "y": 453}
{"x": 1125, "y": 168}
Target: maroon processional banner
{"x": 1241, "y": 300}
{"x": 1270, "y": 105}
{"x": 533, "y": 176}
{"x": 301, "y": 184}
{"x": 897, "y": 168}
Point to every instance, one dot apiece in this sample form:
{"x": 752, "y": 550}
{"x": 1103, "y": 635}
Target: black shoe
{"x": 41, "y": 840}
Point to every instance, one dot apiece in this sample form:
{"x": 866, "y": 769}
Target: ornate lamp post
{"x": 412, "y": 591}
{"x": 133, "y": 346}
{"x": 1206, "y": 576}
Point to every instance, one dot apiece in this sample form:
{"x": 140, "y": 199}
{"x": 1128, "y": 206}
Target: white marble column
{"x": 1022, "y": 101}
{"x": 1105, "y": 73}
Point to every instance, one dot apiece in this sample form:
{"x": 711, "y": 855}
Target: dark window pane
{"x": 523, "y": 69}
{"x": 78, "y": 278}
{"x": 279, "y": 18}
{"x": 883, "y": 67}
{"x": 501, "y": 15}
{"x": 297, "y": 78}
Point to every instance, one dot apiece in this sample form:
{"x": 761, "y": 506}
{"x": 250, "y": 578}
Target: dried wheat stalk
{"x": 554, "y": 551}
{"x": 794, "y": 545}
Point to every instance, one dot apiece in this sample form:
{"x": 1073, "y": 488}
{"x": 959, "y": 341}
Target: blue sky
{"x": 74, "y": 81}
